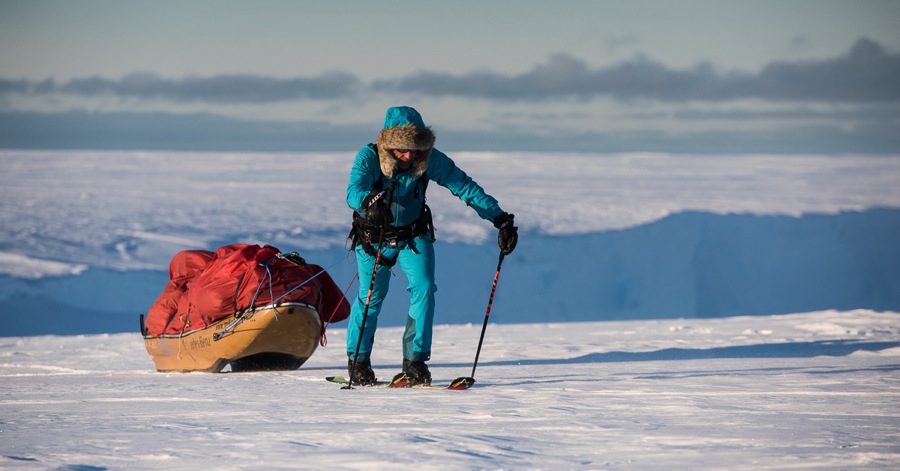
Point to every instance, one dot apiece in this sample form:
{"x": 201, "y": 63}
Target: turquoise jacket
{"x": 408, "y": 195}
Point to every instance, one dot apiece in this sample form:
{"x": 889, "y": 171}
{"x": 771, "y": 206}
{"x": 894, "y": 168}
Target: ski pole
{"x": 362, "y": 326}
{"x": 465, "y": 382}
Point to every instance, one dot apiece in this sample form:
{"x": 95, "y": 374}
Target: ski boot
{"x": 417, "y": 372}
{"x": 361, "y": 373}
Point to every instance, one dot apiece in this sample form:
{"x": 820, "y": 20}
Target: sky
{"x": 693, "y": 76}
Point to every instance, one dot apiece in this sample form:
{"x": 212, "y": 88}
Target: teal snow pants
{"x": 416, "y": 259}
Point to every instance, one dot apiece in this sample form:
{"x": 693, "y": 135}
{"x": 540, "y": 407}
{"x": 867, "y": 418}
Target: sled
{"x": 267, "y": 338}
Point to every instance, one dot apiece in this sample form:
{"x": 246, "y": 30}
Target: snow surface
{"x": 801, "y": 391}
{"x": 661, "y": 312}
{"x": 650, "y": 235}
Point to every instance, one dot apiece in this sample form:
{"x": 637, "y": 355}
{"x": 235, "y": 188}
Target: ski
{"x": 401, "y": 381}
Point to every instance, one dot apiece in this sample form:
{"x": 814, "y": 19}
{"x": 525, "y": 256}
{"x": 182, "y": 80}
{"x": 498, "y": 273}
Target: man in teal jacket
{"x": 387, "y": 191}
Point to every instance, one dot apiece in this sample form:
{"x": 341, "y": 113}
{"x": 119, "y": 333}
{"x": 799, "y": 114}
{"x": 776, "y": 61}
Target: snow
{"x": 653, "y": 235}
{"x": 800, "y": 391}
{"x": 22, "y": 266}
{"x": 661, "y": 312}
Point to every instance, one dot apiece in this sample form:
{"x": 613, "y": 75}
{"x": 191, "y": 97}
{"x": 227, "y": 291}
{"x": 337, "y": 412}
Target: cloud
{"x": 883, "y": 114}
{"x": 221, "y": 89}
{"x": 799, "y": 44}
{"x": 614, "y": 44}
{"x": 847, "y": 103}
{"x": 562, "y": 76}
{"x": 867, "y": 73}
{"x": 8, "y": 86}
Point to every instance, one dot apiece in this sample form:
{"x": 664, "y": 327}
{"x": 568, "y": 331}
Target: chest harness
{"x": 366, "y": 234}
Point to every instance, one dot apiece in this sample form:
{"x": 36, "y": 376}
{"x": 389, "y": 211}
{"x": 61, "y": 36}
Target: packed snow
{"x": 801, "y": 391}
{"x": 661, "y": 312}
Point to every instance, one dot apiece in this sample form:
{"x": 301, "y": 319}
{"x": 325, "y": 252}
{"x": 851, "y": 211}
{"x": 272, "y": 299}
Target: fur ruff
{"x": 405, "y": 137}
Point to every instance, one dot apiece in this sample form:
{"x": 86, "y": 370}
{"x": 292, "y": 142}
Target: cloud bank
{"x": 218, "y": 89}
{"x": 847, "y": 103}
{"x": 865, "y": 74}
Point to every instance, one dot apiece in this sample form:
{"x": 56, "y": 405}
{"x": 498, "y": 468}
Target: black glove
{"x": 509, "y": 233}
{"x": 375, "y": 208}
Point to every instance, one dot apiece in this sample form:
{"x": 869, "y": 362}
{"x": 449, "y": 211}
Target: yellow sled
{"x": 267, "y": 338}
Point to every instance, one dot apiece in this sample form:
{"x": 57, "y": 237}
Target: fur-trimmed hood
{"x": 404, "y": 129}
